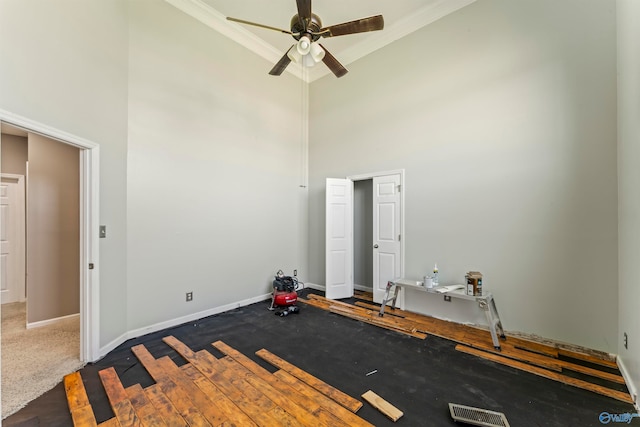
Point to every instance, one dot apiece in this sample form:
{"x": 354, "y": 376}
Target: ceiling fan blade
{"x": 282, "y": 64}
{"x": 372, "y": 23}
{"x": 304, "y": 12}
{"x": 242, "y": 21}
{"x": 330, "y": 61}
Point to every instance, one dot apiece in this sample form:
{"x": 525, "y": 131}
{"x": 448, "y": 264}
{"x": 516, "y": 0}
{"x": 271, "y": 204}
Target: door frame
{"x": 89, "y": 227}
{"x": 21, "y": 199}
{"x": 401, "y": 172}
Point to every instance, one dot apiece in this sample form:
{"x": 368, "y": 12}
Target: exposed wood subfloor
{"x": 207, "y": 391}
{"x": 540, "y": 359}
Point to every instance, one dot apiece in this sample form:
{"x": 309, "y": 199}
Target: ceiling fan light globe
{"x": 294, "y": 55}
{"x": 316, "y": 52}
{"x": 304, "y": 45}
{"x": 308, "y": 61}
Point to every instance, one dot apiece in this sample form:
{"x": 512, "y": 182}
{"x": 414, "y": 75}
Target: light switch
{"x": 103, "y": 231}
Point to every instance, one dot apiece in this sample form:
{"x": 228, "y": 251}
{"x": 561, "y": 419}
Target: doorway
{"x": 364, "y": 241}
{"x": 89, "y": 158}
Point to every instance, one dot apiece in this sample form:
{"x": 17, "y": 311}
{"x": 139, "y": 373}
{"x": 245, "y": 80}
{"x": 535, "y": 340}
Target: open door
{"x": 386, "y": 233}
{"x": 339, "y": 238}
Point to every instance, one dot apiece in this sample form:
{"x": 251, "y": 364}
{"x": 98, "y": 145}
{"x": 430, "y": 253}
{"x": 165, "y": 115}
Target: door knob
{"x": 375, "y": 246}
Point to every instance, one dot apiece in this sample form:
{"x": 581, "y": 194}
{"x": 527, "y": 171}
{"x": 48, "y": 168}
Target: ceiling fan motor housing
{"x": 312, "y": 26}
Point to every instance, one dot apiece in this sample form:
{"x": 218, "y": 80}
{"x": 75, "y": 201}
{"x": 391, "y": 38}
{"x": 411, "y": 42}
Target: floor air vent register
{"x": 476, "y": 416}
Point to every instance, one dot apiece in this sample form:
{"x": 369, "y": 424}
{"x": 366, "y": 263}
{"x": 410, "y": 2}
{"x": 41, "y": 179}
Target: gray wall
{"x": 629, "y": 177}
{"x": 63, "y": 63}
{"x": 503, "y": 116}
{"x": 174, "y": 106}
{"x": 53, "y": 230}
{"x": 14, "y": 154}
{"x": 214, "y": 199}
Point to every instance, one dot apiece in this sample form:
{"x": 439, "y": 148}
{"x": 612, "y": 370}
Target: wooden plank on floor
{"x": 388, "y": 310}
{"x": 383, "y": 406}
{"x": 205, "y": 405}
{"x": 164, "y": 407}
{"x": 112, "y": 422}
{"x": 289, "y": 384}
{"x": 76, "y": 393}
{"x": 313, "y": 415}
{"x": 374, "y": 319}
{"x": 517, "y": 348}
{"x": 624, "y": 397}
{"x": 83, "y": 417}
{"x": 122, "y": 407}
{"x": 342, "y": 398}
{"x": 143, "y": 407}
{"x": 350, "y": 418}
{"x": 257, "y": 406}
{"x": 305, "y": 416}
{"x": 395, "y": 323}
{"x": 367, "y": 296}
{"x": 78, "y": 401}
{"x": 176, "y": 394}
{"x": 588, "y": 358}
{"x": 450, "y": 330}
{"x": 234, "y": 414}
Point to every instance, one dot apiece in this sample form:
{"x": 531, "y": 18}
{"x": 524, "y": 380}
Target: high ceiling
{"x": 401, "y": 18}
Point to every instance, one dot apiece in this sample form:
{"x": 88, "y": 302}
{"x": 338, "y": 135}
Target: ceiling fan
{"x": 306, "y": 29}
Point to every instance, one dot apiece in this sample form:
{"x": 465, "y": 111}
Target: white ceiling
{"x": 401, "y": 17}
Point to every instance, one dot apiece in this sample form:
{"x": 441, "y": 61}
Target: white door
{"x": 339, "y": 238}
{"x": 12, "y": 239}
{"x": 386, "y": 233}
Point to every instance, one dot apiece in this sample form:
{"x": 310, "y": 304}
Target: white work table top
{"x": 457, "y": 290}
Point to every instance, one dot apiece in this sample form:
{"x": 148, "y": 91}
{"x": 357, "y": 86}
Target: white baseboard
{"x": 111, "y": 346}
{"x": 315, "y": 286}
{"x": 42, "y": 323}
{"x": 633, "y": 390}
{"x": 324, "y": 288}
{"x": 178, "y": 321}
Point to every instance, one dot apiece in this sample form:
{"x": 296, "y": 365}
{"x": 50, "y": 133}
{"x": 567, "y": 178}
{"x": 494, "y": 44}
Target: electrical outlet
{"x": 295, "y": 273}
{"x": 626, "y": 341}
{"x": 189, "y": 296}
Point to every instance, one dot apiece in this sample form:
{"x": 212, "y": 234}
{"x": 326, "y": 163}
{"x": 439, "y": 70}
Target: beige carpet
{"x": 35, "y": 360}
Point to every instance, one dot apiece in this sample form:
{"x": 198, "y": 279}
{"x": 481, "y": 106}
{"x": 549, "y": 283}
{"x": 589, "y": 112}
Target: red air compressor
{"x": 284, "y": 294}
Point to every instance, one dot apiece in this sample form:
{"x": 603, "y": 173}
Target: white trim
{"x": 209, "y": 16}
{"x": 179, "y": 321}
{"x": 47, "y": 322}
{"x": 631, "y": 386}
{"x": 315, "y": 286}
{"x": 90, "y": 210}
{"x": 212, "y": 18}
{"x": 379, "y": 39}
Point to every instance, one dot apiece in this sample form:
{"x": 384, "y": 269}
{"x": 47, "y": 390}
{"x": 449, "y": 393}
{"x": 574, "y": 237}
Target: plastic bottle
{"x": 435, "y": 275}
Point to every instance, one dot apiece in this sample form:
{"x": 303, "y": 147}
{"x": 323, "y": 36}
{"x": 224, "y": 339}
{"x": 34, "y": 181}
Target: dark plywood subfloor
{"x": 207, "y": 391}
{"x": 596, "y": 374}
{"x": 420, "y": 377}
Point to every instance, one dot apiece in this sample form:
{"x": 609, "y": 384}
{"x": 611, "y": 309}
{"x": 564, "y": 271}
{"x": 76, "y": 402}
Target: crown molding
{"x": 217, "y": 21}
{"x": 209, "y": 16}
